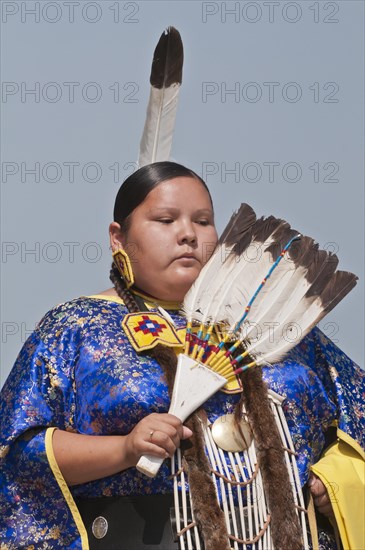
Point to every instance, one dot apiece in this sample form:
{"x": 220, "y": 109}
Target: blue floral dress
{"x": 79, "y": 372}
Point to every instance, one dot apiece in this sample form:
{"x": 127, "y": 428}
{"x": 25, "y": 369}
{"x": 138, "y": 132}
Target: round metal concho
{"x": 99, "y": 527}
{"x": 227, "y": 435}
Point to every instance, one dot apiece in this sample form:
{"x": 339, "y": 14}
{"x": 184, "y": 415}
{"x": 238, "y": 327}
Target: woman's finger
{"x": 167, "y": 442}
{"x": 158, "y": 434}
{"x": 186, "y": 433}
{"x": 320, "y": 496}
{"x": 168, "y": 424}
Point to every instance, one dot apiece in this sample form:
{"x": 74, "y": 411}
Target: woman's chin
{"x": 184, "y": 283}
{"x": 187, "y": 275}
{"x": 175, "y": 290}
{"x": 172, "y": 287}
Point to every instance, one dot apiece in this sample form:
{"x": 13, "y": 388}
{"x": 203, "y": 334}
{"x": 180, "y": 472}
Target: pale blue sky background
{"x": 298, "y": 75}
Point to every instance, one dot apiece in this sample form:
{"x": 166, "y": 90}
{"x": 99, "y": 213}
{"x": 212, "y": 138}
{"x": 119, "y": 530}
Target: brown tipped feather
{"x": 320, "y": 272}
{"x": 239, "y": 223}
{"x": 166, "y": 76}
{"x": 281, "y": 238}
{"x": 264, "y": 227}
{"x": 338, "y": 287}
{"x": 168, "y": 60}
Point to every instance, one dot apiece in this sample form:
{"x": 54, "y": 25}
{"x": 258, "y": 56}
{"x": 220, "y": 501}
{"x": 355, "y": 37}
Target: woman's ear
{"x": 115, "y": 236}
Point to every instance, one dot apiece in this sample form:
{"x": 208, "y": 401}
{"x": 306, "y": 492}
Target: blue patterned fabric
{"x": 78, "y": 372}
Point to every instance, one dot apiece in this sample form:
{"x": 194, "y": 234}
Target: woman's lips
{"x": 187, "y": 258}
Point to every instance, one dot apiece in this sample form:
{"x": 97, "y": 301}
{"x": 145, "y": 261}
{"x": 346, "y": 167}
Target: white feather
{"x": 199, "y": 294}
{"x": 237, "y": 273}
{"x": 214, "y": 273}
{"x": 165, "y": 79}
{"x": 242, "y": 283}
{"x": 158, "y": 131}
{"x": 293, "y": 326}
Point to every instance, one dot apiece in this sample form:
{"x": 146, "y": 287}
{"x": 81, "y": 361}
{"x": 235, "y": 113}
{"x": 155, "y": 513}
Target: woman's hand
{"x": 157, "y": 435}
{"x": 82, "y": 458}
{"x": 320, "y": 496}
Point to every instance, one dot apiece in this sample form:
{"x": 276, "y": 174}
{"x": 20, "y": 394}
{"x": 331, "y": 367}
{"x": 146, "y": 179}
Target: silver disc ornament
{"x": 227, "y": 435}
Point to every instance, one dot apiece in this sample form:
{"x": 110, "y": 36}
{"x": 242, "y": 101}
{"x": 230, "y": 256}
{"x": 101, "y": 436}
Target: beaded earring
{"x": 123, "y": 263}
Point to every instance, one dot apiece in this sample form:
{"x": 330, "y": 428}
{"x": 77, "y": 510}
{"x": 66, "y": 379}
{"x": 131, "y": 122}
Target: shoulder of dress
{"x": 76, "y": 313}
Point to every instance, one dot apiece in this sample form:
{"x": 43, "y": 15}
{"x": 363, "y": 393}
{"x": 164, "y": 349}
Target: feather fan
{"x": 266, "y": 286}
{"x": 165, "y": 79}
{"x": 271, "y": 288}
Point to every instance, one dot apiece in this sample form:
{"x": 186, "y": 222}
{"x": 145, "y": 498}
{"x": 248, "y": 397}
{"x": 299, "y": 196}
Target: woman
{"x": 78, "y": 376}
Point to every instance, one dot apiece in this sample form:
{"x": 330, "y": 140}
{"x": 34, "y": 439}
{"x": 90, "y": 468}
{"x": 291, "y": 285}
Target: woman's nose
{"x": 187, "y": 234}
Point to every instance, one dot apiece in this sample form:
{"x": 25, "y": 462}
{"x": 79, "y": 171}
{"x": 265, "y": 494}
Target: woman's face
{"x": 170, "y": 238}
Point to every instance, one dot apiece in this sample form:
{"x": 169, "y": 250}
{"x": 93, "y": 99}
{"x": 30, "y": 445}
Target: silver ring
{"x": 151, "y": 434}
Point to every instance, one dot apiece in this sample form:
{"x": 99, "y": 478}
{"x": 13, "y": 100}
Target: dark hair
{"x": 138, "y": 185}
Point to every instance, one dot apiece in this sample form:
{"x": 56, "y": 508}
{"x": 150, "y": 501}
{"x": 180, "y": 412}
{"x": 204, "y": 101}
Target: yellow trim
{"x": 106, "y": 297}
{"x": 342, "y": 471}
{"x": 350, "y": 441}
{"x": 312, "y": 520}
{"x": 65, "y": 489}
{"x": 150, "y": 302}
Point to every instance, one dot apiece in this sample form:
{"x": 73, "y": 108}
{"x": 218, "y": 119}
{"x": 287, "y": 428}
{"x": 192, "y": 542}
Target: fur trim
{"x": 285, "y": 527}
{"x": 208, "y": 514}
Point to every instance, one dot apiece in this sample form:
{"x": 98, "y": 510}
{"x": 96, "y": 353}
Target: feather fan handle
{"x": 165, "y": 79}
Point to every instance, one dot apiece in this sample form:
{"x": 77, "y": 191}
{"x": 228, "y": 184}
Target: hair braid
{"x": 122, "y": 290}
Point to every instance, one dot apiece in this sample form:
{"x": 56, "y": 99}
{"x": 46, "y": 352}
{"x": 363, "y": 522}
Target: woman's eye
{"x": 165, "y": 220}
{"x": 203, "y": 222}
